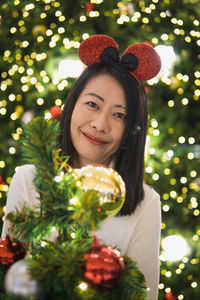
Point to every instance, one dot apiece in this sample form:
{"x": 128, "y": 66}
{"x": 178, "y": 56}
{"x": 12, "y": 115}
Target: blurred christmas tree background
{"x": 38, "y": 65}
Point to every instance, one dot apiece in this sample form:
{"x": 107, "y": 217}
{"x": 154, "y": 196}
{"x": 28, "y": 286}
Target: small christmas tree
{"x": 71, "y": 205}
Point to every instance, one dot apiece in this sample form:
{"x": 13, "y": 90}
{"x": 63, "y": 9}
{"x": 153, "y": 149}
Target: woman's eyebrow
{"x": 95, "y": 95}
{"x": 100, "y": 98}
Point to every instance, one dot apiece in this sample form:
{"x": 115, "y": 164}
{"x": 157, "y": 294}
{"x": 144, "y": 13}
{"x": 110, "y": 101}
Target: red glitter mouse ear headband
{"x": 141, "y": 60}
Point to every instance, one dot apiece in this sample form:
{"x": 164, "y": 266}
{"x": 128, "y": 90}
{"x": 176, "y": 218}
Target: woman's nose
{"x": 100, "y": 122}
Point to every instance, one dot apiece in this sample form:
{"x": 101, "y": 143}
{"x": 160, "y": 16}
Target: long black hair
{"x": 129, "y": 158}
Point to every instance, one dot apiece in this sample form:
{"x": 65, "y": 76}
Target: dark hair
{"x": 129, "y": 158}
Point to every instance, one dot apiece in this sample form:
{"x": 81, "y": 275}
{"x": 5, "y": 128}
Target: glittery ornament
{"x": 18, "y": 283}
{"x": 104, "y": 266}
{"x": 107, "y": 182}
{"x": 10, "y": 251}
{"x": 55, "y": 112}
{"x": 89, "y": 6}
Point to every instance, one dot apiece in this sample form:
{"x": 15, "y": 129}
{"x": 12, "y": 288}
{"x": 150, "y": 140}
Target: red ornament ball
{"x": 55, "y": 112}
{"x": 89, "y": 6}
{"x": 104, "y": 266}
{"x": 10, "y": 251}
{"x": 1, "y": 179}
{"x": 170, "y": 296}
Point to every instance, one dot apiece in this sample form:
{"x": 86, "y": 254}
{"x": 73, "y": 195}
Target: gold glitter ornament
{"x": 107, "y": 182}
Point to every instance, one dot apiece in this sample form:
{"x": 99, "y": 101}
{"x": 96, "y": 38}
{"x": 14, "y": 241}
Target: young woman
{"x": 104, "y": 122}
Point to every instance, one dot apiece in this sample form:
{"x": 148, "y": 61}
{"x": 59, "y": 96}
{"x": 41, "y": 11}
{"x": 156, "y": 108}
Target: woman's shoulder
{"x": 149, "y": 192}
{"x": 151, "y": 198}
{"x": 27, "y": 168}
{"x": 24, "y": 172}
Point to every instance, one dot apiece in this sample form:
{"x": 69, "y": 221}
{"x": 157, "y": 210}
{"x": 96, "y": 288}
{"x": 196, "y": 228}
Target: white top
{"x": 137, "y": 235}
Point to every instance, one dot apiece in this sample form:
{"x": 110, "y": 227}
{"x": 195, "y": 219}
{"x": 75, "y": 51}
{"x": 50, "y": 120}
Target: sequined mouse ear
{"x": 97, "y": 49}
{"x": 148, "y": 61}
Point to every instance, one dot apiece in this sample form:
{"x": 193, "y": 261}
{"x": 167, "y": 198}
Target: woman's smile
{"x": 93, "y": 140}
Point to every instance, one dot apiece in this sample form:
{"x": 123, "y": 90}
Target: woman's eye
{"x": 92, "y": 104}
{"x": 120, "y": 116}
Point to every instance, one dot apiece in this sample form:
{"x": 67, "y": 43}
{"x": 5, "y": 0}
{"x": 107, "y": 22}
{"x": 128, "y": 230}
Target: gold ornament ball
{"x": 107, "y": 182}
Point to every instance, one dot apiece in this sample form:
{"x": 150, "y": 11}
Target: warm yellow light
{"x": 3, "y": 111}
{"x": 194, "y": 284}
{"x": 58, "y": 13}
{"x": 196, "y": 22}
{"x": 43, "y": 15}
{"x": 33, "y": 80}
{"x": 19, "y": 130}
{"x": 145, "y": 20}
{"x": 170, "y": 103}
{"x": 40, "y": 89}
{"x": 155, "y": 41}
{"x": 156, "y": 132}
{"x": 195, "y": 238}
{"x": 180, "y": 22}
{"x": 179, "y": 199}
{"x": 190, "y": 155}
{"x": 168, "y": 274}
{"x": 73, "y": 201}
{"x": 191, "y": 140}
{"x": 164, "y": 37}
{"x": 184, "y": 190}
{"x": 172, "y": 181}
{"x": 82, "y": 18}
{"x": 73, "y": 235}
{"x": 193, "y": 173}
{"x": 163, "y": 14}
{"x": 21, "y": 70}
{"x": 45, "y": 79}
{"x": 183, "y": 180}
{"x": 181, "y": 139}
{"x": 13, "y": 30}
{"x": 12, "y": 150}
{"x": 188, "y": 39}
{"x": 152, "y": 151}
{"x": 24, "y": 88}
{"x": 148, "y": 10}
{"x": 167, "y": 171}
{"x": 180, "y": 91}
{"x": 154, "y": 123}
{"x": 29, "y": 6}
{"x": 93, "y": 14}
{"x": 161, "y": 286}
{"x": 2, "y": 164}
{"x": 40, "y": 101}
{"x": 149, "y": 169}
{"x": 83, "y": 286}
{"x": 165, "y": 208}
{"x": 196, "y": 213}
{"x": 165, "y": 196}
{"x": 40, "y": 39}
{"x": 155, "y": 176}
{"x": 197, "y": 92}
{"x": 173, "y": 194}
{"x": 197, "y": 82}
{"x": 185, "y": 101}
{"x": 58, "y": 102}
{"x": 61, "y": 18}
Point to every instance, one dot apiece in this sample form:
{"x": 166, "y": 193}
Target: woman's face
{"x": 98, "y": 121}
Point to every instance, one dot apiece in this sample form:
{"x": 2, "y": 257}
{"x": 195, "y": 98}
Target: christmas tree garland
{"x": 74, "y": 265}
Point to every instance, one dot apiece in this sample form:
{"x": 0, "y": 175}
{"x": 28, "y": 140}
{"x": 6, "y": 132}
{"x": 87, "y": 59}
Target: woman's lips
{"x": 93, "y": 140}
